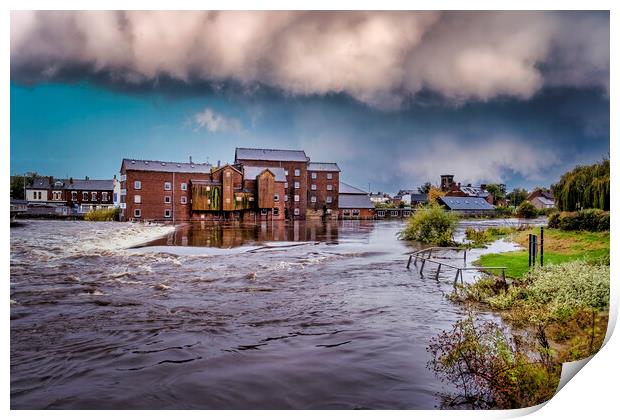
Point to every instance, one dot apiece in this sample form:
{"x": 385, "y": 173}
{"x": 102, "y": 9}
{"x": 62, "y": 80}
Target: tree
{"x": 526, "y": 210}
{"x": 434, "y": 193}
{"x": 430, "y": 224}
{"x": 517, "y": 196}
{"x": 425, "y": 188}
{"x": 498, "y": 192}
{"x": 586, "y": 186}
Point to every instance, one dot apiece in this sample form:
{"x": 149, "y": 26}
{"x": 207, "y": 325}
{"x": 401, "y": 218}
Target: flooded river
{"x": 306, "y": 316}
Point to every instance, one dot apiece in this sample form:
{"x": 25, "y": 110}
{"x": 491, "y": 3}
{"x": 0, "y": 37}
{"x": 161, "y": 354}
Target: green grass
{"x": 560, "y": 246}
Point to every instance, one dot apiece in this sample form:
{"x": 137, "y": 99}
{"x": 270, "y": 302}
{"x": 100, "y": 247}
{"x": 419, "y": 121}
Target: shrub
{"x": 526, "y": 210}
{"x": 483, "y": 236}
{"x": 430, "y": 224}
{"x": 503, "y": 211}
{"x": 593, "y": 220}
{"x": 547, "y": 212}
{"x": 490, "y": 369}
{"x": 102, "y": 215}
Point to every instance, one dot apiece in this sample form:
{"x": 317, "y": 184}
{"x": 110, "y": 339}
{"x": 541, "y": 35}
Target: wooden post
{"x": 542, "y": 245}
{"x": 422, "y": 267}
{"x": 456, "y": 278}
{"x": 529, "y": 252}
{"x": 461, "y": 271}
{"x": 415, "y": 260}
{"x": 534, "y": 249}
{"x": 409, "y": 262}
{"x": 465, "y": 256}
{"x": 438, "y": 269}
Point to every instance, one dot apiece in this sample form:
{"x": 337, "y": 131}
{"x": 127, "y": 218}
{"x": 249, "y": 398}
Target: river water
{"x": 304, "y": 316}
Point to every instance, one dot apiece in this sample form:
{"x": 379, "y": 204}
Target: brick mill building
{"x": 183, "y": 191}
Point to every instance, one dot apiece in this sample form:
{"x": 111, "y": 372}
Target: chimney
{"x": 86, "y": 178}
{"x": 218, "y": 163}
{"x": 190, "y": 159}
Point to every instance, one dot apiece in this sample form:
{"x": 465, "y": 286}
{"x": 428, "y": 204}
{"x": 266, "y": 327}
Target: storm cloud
{"x": 379, "y": 58}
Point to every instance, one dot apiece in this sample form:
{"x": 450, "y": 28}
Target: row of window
{"x": 167, "y": 199}
{"x": 296, "y": 185}
{"x": 393, "y": 213}
{"x": 168, "y": 212}
{"x": 354, "y": 212}
{"x": 93, "y": 196}
{"x": 313, "y": 175}
{"x": 137, "y": 185}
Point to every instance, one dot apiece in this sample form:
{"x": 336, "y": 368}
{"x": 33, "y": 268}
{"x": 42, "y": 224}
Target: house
{"x": 398, "y": 212}
{"x": 454, "y": 189}
{"x": 467, "y": 205}
{"x": 411, "y": 198}
{"x": 380, "y": 198}
{"x": 310, "y": 189}
{"x": 541, "y": 199}
{"x": 183, "y": 191}
{"x": 354, "y": 203}
{"x": 85, "y": 195}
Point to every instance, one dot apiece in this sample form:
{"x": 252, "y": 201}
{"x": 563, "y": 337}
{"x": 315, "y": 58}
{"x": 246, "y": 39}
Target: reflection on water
{"x": 335, "y": 321}
{"x": 230, "y": 235}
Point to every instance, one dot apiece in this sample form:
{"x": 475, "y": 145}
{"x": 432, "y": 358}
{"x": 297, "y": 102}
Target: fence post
{"x": 438, "y": 269}
{"x": 529, "y": 251}
{"x": 534, "y": 249}
{"x": 542, "y": 245}
{"x": 409, "y": 262}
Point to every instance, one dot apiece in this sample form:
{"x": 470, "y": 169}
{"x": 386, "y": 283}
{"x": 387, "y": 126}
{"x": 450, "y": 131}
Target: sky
{"x": 396, "y": 99}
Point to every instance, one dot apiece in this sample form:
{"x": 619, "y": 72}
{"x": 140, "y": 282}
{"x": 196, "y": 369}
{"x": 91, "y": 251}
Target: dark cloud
{"x": 379, "y": 58}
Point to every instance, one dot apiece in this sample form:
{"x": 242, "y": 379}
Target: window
{"x": 137, "y": 185}
{"x": 286, "y": 185}
{"x": 167, "y": 213}
{"x": 347, "y": 212}
{"x": 238, "y": 198}
{"x": 137, "y": 199}
{"x": 328, "y": 199}
{"x": 276, "y": 211}
{"x": 329, "y": 175}
{"x": 39, "y": 195}
{"x": 297, "y": 172}
{"x": 183, "y": 200}
{"x": 313, "y": 175}
{"x": 313, "y": 187}
{"x": 167, "y": 186}
{"x": 381, "y": 213}
{"x": 285, "y": 172}
{"x": 137, "y": 213}
{"x": 56, "y": 195}
{"x": 104, "y": 196}
{"x": 167, "y": 199}
{"x": 183, "y": 186}
{"x": 394, "y": 212}
{"x": 406, "y": 213}
{"x": 286, "y": 198}
{"x": 74, "y": 195}
{"x": 263, "y": 212}
{"x": 123, "y": 177}
{"x": 296, "y": 197}
{"x": 276, "y": 197}
{"x": 84, "y": 196}
{"x": 296, "y": 185}
{"x": 94, "y": 195}
{"x": 330, "y": 187}
{"x": 356, "y": 212}
{"x": 313, "y": 199}
{"x": 296, "y": 211}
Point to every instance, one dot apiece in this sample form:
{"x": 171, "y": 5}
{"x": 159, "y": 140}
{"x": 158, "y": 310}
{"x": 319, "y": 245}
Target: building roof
{"x": 344, "y": 188}
{"x": 419, "y": 197}
{"x": 466, "y": 203}
{"x": 251, "y": 172}
{"x": 163, "y": 166}
{"x": 91, "y": 185}
{"x": 475, "y": 191}
{"x": 276, "y": 155}
{"x": 323, "y": 167}
{"x": 39, "y": 183}
{"x": 545, "y": 200}
{"x": 354, "y": 201}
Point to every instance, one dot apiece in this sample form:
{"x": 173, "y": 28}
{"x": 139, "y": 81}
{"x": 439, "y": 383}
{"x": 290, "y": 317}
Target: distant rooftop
{"x": 323, "y": 167}
{"x": 251, "y": 172}
{"x": 345, "y": 188}
{"x": 276, "y": 155}
{"x": 466, "y": 203}
{"x": 91, "y": 184}
{"x": 354, "y": 201}
{"x": 162, "y": 166}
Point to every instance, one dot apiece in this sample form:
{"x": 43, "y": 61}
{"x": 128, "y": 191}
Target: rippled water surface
{"x": 283, "y": 316}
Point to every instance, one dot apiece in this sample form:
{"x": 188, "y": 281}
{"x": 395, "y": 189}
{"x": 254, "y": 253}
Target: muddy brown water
{"x": 303, "y": 316}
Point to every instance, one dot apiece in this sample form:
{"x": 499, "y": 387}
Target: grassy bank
{"x": 560, "y": 247}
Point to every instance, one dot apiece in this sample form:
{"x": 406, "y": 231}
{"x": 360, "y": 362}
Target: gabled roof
{"x": 251, "y": 172}
{"x": 354, "y": 201}
{"x": 274, "y": 155}
{"x": 91, "y": 185}
{"x": 323, "y": 167}
{"x": 163, "y": 166}
{"x": 419, "y": 197}
{"x": 466, "y": 203}
{"x": 217, "y": 169}
{"x": 545, "y": 200}
{"x": 40, "y": 184}
{"x": 344, "y": 188}
{"x": 475, "y": 191}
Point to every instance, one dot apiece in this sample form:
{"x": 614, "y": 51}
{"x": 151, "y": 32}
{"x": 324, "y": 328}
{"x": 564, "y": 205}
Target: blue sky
{"x": 523, "y": 126}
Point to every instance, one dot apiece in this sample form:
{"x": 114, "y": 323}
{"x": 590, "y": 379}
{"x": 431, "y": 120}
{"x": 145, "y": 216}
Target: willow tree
{"x": 586, "y": 186}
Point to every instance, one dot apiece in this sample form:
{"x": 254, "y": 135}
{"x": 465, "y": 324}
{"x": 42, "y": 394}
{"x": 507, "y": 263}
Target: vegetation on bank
{"x": 430, "y": 224}
{"x": 586, "y": 186}
{"x": 102, "y": 215}
{"x": 481, "y": 237}
{"x": 559, "y": 247}
{"x": 593, "y": 220}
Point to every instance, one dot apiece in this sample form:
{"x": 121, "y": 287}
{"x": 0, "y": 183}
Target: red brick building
{"x": 180, "y": 191}
{"x": 311, "y": 189}
{"x": 354, "y": 203}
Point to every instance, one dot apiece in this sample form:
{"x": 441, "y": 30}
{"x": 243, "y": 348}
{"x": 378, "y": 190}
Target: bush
{"x": 526, "y": 210}
{"x": 483, "y": 236}
{"x": 503, "y": 211}
{"x": 102, "y": 215}
{"x": 593, "y": 220}
{"x": 430, "y": 224}
{"x": 547, "y": 212}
